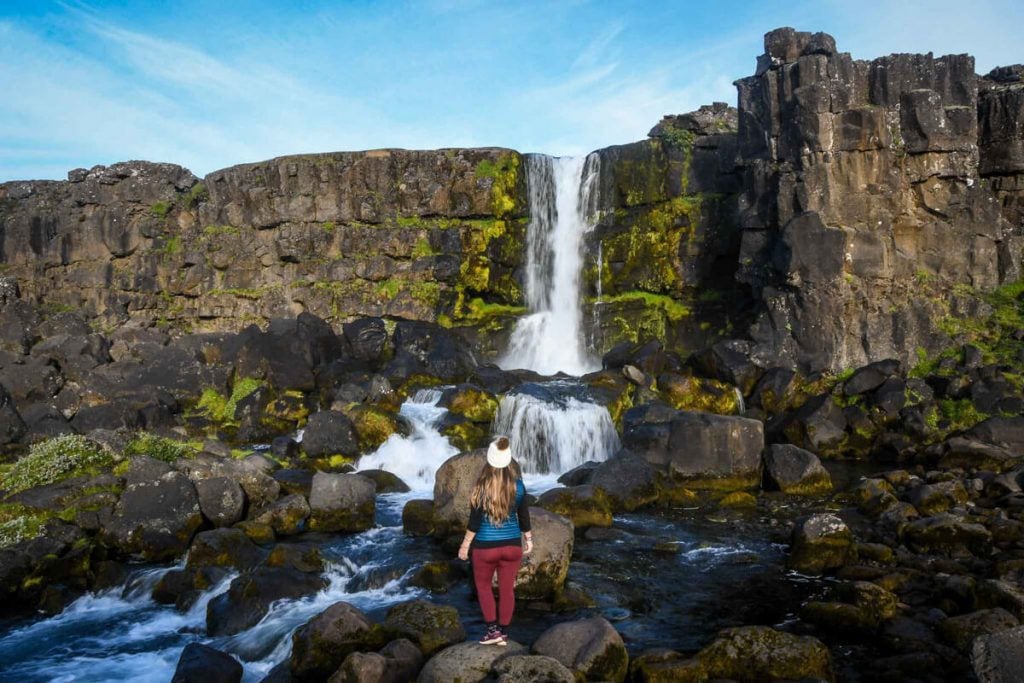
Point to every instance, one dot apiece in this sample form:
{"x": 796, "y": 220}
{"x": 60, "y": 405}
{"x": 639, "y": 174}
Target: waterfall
{"x": 553, "y": 428}
{"x": 549, "y": 339}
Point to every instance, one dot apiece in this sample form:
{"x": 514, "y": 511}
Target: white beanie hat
{"x": 499, "y": 457}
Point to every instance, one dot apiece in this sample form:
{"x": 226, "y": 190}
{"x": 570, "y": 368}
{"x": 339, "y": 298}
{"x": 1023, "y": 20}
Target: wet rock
{"x": 661, "y": 665}
{"x": 386, "y": 482}
{"x": 729, "y": 361}
{"x": 795, "y": 471}
{"x": 999, "y": 657}
{"x": 436, "y": 577}
{"x": 629, "y": 481}
{"x": 874, "y": 496}
{"x": 157, "y": 514}
{"x": 931, "y": 499}
{"x": 295, "y": 481}
{"x": 870, "y": 377}
{"x": 203, "y": 664}
{"x": 585, "y": 506}
{"x": 397, "y": 662}
{"x": 591, "y": 648}
{"x": 341, "y": 502}
{"x": 465, "y": 662}
{"x": 579, "y": 475}
{"x": 542, "y": 573}
{"x": 431, "y": 627}
{"x": 286, "y": 516}
{"x": 961, "y": 631}
{"x": 304, "y": 557}
{"x": 284, "y": 448}
{"x": 762, "y": 653}
{"x": 453, "y": 485}
{"x": 531, "y": 669}
{"x": 714, "y": 451}
{"x": 330, "y": 433}
{"x": 221, "y": 500}
{"x": 418, "y": 517}
{"x": 249, "y": 598}
{"x": 257, "y": 533}
{"x": 321, "y": 645}
{"x": 818, "y": 543}
{"x": 373, "y": 425}
{"x": 946, "y": 533}
{"x": 864, "y": 606}
{"x": 223, "y": 548}
{"x": 470, "y": 402}
{"x": 699, "y": 393}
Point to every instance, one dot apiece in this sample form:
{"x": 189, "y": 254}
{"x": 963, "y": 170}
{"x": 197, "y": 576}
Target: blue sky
{"x": 210, "y": 84}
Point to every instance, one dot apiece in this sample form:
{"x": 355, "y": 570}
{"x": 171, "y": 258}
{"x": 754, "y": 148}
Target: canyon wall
{"x": 837, "y": 216}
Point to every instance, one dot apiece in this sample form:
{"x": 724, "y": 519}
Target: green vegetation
{"x": 19, "y": 523}
{"x": 170, "y": 246}
{"x": 221, "y": 409}
{"x": 993, "y": 333}
{"x": 159, "y": 447}
{"x": 960, "y": 414}
{"x": 422, "y": 248}
{"x": 329, "y": 227}
{"x": 673, "y": 309}
{"x": 54, "y": 460}
{"x": 504, "y": 174}
{"x": 197, "y": 195}
{"x": 255, "y": 293}
{"x": 160, "y": 209}
{"x": 212, "y": 231}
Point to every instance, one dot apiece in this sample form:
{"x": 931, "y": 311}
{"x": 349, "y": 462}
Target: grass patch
{"x": 422, "y": 248}
{"x": 673, "y": 309}
{"x": 960, "y": 414}
{"x": 19, "y": 523}
{"x": 55, "y": 459}
{"x": 160, "y": 209}
{"x": 197, "y": 195}
{"x": 159, "y": 447}
{"x": 220, "y": 408}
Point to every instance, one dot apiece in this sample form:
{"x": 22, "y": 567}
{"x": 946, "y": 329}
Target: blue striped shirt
{"x": 491, "y": 535}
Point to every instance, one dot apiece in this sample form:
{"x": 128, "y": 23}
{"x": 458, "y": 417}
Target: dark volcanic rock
{"x": 341, "y": 502}
{"x": 249, "y": 598}
{"x": 202, "y": 664}
{"x": 330, "y": 433}
{"x": 592, "y": 648}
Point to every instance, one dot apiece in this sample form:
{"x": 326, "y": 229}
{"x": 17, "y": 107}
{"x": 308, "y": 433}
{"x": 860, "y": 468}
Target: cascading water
{"x": 553, "y": 429}
{"x": 415, "y": 458}
{"x": 550, "y": 339}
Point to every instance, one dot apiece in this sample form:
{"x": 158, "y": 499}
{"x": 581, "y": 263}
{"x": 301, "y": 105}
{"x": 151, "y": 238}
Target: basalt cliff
{"x": 836, "y": 217}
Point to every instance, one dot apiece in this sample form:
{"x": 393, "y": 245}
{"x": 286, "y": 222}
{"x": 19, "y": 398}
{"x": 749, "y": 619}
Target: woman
{"x": 498, "y": 517}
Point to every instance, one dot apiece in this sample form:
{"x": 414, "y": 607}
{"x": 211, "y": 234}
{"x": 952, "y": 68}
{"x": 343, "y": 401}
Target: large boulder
{"x": 224, "y": 548}
{"x": 342, "y": 502}
{"x": 397, "y": 662}
{"x": 760, "y": 653}
{"x": 716, "y": 451}
{"x": 585, "y": 505}
{"x": 453, "y": 486}
{"x": 286, "y": 516}
{"x": 465, "y": 662}
{"x": 200, "y": 663}
{"x": 221, "y": 500}
{"x": 249, "y": 598}
{"x": 592, "y": 648}
{"x": 795, "y": 471}
{"x": 999, "y": 657}
{"x": 157, "y": 514}
{"x": 431, "y": 627}
{"x": 321, "y": 645}
{"x": 542, "y": 574}
{"x": 329, "y": 433}
{"x": 870, "y": 376}
{"x": 947, "y": 534}
{"x": 629, "y": 481}
{"x": 532, "y": 669}
{"x": 820, "y": 542}
{"x": 962, "y": 630}
{"x": 1007, "y": 432}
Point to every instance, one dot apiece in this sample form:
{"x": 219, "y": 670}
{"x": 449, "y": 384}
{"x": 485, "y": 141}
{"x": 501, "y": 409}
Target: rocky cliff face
{"x": 838, "y": 216}
{"x": 871, "y": 189}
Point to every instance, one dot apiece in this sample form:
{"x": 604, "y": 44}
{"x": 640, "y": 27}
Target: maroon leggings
{"x": 505, "y": 560}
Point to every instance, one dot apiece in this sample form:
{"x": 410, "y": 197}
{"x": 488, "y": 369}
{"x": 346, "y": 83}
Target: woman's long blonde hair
{"x": 495, "y": 489}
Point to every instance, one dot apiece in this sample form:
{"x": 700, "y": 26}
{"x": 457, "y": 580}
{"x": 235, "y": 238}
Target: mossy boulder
{"x": 373, "y": 425}
{"x": 662, "y": 665}
{"x": 931, "y": 499}
{"x": 591, "y": 648}
{"x": 418, "y": 517}
{"x": 431, "y": 627}
{"x": 304, "y": 557}
{"x": 531, "y": 669}
{"x": 874, "y": 496}
{"x": 471, "y": 402}
{"x": 223, "y": 548}
{"x": 863, "y": 606}
{"x": 284, "y": 412}
{"x": 257, "y": 532}
{"x": 542, "y": 573}
{"x": 468, "y": 662}
{"x": 436, "y": 577}
{"x": 330, "y": 433}
{"x": 819, "y": 543}
{"x": 629, "y": 481}
{"x": 386, "y": 482}
{"x": 464, "y": 434}
{"x": 947, "y": 534}
{"x": 321, "y": 644}
{"x": 698, "y": 393}
{"x": 795, "y": 471}
{"x": 342, "y": 502}
{"x": 960, "y": 631}
{"x": 585, "y": 506}
{"x": 286, "y": 516}
{"x": 760, "y": 653}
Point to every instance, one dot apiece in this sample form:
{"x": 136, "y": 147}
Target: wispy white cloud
{"x": 598, "y": 48}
